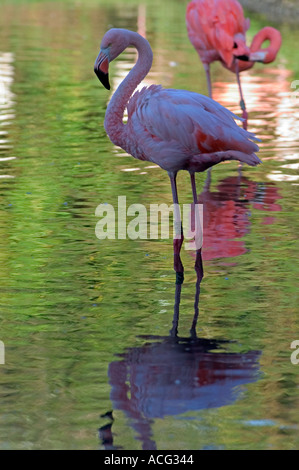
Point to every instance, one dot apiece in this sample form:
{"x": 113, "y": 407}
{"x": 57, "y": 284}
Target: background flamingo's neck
{"x": 113, "y": 124}
{"x": 269, "y": 53}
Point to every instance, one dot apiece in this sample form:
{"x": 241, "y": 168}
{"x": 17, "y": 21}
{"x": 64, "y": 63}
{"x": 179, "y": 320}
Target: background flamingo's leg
{"x": 242, "y": 101}
{"x": 208, "y": 75}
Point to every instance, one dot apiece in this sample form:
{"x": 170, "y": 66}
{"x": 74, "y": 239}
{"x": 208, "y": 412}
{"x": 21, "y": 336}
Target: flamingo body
{"x": 181, "y": 130}
{"x": 176, "y": 129}
{"x": 217, "y": 29}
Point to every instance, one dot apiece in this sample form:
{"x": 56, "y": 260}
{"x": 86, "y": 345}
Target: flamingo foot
{"x": 198, "y": 266}
{"x": 199, "y": 272}
{"x": 179, "y": 278}
{"x": 176, "y": 313}
{"x": 179, "y": 269}
{"x": 178, "y": 265}
{"x": 244, "y": 114}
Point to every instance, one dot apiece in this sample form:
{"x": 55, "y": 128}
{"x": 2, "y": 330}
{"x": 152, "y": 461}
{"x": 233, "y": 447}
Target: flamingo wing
{"x": 196, "y": 123}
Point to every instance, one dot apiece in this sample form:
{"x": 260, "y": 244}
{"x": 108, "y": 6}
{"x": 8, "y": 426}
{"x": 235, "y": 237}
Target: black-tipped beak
{"x": 103, "y": 77}
{"x": 243, "y": 57}
{"x": 101, "y": 69}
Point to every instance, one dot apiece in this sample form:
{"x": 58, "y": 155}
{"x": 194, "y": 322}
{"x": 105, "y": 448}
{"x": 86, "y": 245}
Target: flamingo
{"x": 175, "y": 129}
{"x": 217, "y": 29}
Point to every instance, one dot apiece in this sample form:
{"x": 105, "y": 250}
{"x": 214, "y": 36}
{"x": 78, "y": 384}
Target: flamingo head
{"x": 114, "y": 42}
{"x": 101, "y": 67}
{"x": 240, "y": 50}
{"x": 265, "y": 54}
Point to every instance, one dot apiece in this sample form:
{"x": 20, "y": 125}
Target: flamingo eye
{"x": 235, "y": 45}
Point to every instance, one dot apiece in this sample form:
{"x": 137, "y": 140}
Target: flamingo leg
{"x": 198, "y": 264}
{"x": 176, "y": 312}
{"x": 177, "y": 245}
{"x": 209, "y": 83}
{"x": 208, "y": 76}
{"x": 242, "y": 101}
{"x": 179, "y": 236}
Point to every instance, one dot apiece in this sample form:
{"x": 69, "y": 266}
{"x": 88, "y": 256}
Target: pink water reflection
{"x": 273, "y": 111}
{"x": 227, "y": 214}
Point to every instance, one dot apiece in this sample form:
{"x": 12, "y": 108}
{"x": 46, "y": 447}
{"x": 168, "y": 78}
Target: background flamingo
{"x": 176, "y": 129}
{"x": 217, "y": 30}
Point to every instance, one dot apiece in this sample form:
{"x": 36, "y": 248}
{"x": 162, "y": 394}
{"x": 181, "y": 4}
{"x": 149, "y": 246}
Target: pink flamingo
{"x": 176, "y": 129}
{"x": 217, "y": 30}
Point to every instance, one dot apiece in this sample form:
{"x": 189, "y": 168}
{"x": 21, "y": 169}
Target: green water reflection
{"x": 70, "y": 302}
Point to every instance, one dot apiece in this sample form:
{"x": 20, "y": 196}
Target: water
{"x": 85, "y": 323}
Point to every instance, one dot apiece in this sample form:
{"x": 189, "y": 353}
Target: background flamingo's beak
{"x": 258, "y": 56}
{"x": 242, "y": 57}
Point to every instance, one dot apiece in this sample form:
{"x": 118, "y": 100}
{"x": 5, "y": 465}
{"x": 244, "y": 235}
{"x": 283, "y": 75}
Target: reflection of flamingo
{"x": 168, "y": 377}
{"x": 226, "y": 214}
{"x": 225, "y": 221}
{"x": 172, "y": 375}
{"x": 175, "y": 129}
{"x": 217, "y": 29}
{"x": 106, "y": 434}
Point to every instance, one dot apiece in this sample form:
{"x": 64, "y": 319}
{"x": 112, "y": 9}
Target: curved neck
{"x": 268, "y": 54}
{"x": 113, "y": 123}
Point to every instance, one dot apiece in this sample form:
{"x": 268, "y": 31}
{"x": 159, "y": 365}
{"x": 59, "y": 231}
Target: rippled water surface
{"x": 85, "y": 322}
